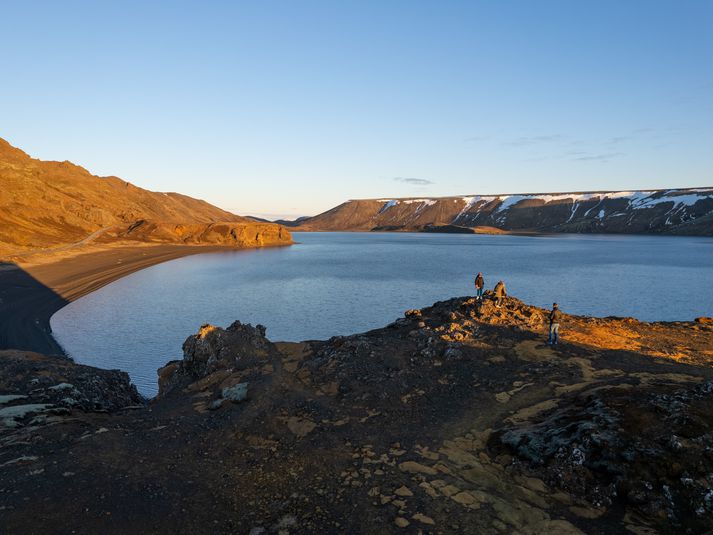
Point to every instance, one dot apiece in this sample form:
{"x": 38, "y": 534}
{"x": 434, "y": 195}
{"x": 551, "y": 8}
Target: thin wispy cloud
{"x": 599, "y": 157}
{"x": 526, "y": 141}
{"x": 414, "y": 181}
{"x": 565, "y": 147}
{"x": 536, "y": 159}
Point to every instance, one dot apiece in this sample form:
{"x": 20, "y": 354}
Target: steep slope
{"x": 678, "y": 211}
{"x": 46, "y": 204}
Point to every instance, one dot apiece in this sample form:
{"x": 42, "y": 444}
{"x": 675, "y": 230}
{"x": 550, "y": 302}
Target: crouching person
{"x": 500, "y": 292}
{"x": 555, "y": 317}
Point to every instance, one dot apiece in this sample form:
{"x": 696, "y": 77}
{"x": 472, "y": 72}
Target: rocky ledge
{"x": 36, "y": 389}
{"x": 456, "y": 418}
{"x": 232, "y": 234}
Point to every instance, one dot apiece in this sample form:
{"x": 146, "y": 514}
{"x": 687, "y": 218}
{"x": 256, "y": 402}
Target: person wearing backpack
{"x": 500, "y": 292}
{"x": 555, "y": 317}
{"x": 479, "y": 285}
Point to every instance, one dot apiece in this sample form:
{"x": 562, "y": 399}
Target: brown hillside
{"x": 46, "y": 203}
{"x": 686, "y": 211}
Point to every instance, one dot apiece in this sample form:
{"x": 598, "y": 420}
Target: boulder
{"x": 239, "y": 347}
{"x": 33, "y": 384}
{"x": 236, "y": 393}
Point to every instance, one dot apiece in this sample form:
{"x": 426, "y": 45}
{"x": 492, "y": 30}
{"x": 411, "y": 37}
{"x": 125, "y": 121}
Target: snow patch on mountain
{"x": 637, "y": 199}
{"x": 389, "y": 204}
{"x": 682, "y": 200}
{"x": 475, "y": 206}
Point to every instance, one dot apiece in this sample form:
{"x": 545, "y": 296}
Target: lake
{"x": 342, "y": 283}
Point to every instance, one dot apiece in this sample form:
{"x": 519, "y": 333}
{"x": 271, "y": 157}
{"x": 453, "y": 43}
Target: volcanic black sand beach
{"x": 30, "y": 292}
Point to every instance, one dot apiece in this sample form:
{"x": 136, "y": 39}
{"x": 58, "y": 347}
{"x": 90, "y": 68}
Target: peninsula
{"x": 456, "y": 418}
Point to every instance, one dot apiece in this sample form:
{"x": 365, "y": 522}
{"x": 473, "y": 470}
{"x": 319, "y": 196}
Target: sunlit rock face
{"x": 231, "y": 234}
{"x": 47, "y": 204}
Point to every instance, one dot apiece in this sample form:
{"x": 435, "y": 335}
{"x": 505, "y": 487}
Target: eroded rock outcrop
{"x": 214, "y": 354}
{"x": 650, "y": 448}
{"x": 231, "y": 234}
{"x": 34, "y": 386}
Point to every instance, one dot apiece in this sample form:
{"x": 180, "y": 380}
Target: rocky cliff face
{"x": 230, "y": 234}
{"x": 47, "y": 204}
{"x": 682, "y": 211}
{"x": 456, "y": 418}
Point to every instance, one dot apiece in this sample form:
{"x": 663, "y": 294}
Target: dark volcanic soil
{"x": 450, "y": 420}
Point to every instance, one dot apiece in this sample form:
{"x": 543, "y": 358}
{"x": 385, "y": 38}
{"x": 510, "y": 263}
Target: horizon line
{"x": 653, "y": 190}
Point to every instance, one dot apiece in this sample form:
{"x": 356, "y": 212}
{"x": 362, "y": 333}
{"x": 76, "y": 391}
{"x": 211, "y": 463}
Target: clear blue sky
{"x": 289, "y": 108}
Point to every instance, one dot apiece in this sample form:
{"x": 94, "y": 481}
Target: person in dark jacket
{"x": 479, "y": 284}
{"x": 555, "y": 317}
{"x": 500, "y": 292}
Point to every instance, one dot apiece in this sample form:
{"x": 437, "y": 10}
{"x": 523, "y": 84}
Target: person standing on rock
{"x": 555, "y": 317}
{"x": 500, "y": 292}
{"x": 479, "y": 284}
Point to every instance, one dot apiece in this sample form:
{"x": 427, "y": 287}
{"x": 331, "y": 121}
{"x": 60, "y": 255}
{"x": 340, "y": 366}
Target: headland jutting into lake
{"x": 453, "y": 418}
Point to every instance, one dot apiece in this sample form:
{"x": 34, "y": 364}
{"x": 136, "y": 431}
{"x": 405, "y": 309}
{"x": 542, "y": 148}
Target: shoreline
{"x": 31, "y": 292}
{"x": 520, "y": 233}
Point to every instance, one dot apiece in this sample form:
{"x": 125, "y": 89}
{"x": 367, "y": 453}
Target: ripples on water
{"x": 342, "y": 283}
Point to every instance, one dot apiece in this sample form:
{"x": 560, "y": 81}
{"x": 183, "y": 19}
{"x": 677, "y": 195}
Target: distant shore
{"x": 32, "y": 291}
{"x": 443, "y": 229}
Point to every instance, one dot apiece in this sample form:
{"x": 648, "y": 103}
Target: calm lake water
{"x": 342, "y": 283}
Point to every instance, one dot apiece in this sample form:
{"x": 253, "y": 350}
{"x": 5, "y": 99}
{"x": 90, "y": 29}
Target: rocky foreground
{"x": 453, "y": 419}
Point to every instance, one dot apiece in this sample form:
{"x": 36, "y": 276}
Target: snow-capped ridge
{"x": 670, "y": 211}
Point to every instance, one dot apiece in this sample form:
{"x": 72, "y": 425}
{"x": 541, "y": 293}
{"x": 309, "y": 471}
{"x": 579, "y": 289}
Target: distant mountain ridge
{"x": 46, "y": 204}
{"x": 675, "y": 211}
